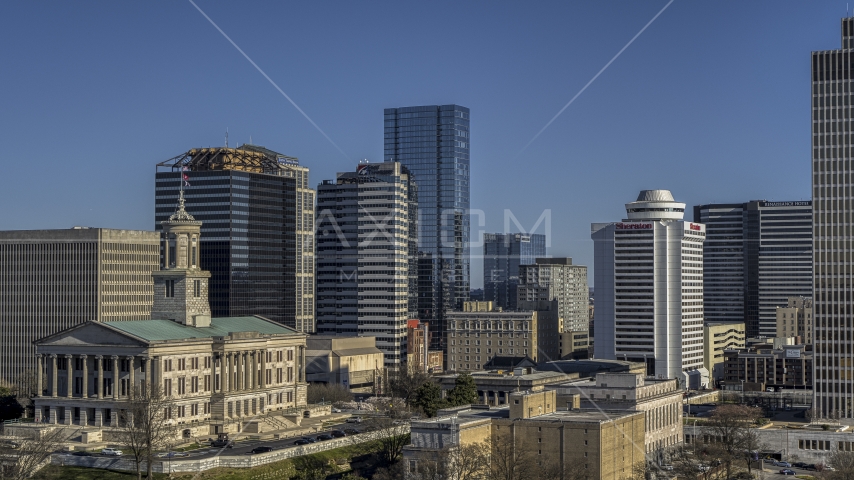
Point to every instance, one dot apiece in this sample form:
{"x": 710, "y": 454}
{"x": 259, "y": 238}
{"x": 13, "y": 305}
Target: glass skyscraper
{"x": 432, "y": 142}
{"x": 257, "y": 235}
{"x": 502, "y": 255}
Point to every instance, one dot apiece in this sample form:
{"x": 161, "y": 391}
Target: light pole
{"x": 742, "y": 391}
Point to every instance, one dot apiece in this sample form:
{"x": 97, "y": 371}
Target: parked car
{"x": 354, "y": 420}
{"x": 262, "y": 449}
{"x": 667, "y": 468}
{"x": 786, "y": 471}
{"x": 111, "y": 452}
{"x": 336, "y": 410}
{"x": 799, "y": 464}
{"x": 351, "y": 431}
{"x": 809, "y": 466}
{"x": 337, "y": 434}
{"x": 703, "y": 467}
{"x": 81, "y": 453}
{"x": 783, "y": 464}
{"x": 219, "y": 443}
{"x": 301, "y": 441}
{"x": 324, "y": 436}
{"x": 309, "y": 439}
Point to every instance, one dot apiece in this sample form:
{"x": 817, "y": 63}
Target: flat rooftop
{"x": 583, "y": 416}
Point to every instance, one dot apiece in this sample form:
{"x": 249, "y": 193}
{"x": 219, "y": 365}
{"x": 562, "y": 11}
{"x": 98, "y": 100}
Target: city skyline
{"x": 661, "y": 127}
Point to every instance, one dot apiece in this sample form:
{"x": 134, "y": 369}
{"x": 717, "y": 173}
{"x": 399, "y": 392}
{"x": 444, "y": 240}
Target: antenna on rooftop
{"x": 226, "y": 137}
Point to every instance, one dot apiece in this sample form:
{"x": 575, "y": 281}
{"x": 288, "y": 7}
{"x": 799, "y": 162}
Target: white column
{"x": 40, "y": 373}
{"x": 99, "y": 384}
{"x": 239, "y": 380}
{"x": 85, "y": 379}
{"x": 130, "y": 360}
{"x": 54, "y": 379}
{"x": 115, "y": 378}
{"x": 69, "y": 369}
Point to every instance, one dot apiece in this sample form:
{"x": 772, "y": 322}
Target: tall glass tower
{"x": 833, "y": 249}
{"x": 433, "y": 143}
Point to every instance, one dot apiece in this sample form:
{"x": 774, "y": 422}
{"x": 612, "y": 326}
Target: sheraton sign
{"x": 633, "y": 226}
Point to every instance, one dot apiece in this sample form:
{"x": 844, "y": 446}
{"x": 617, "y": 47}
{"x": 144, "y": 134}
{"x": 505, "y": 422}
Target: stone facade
{"x": 606, "y": 445}
{"x": 659, "y": 400}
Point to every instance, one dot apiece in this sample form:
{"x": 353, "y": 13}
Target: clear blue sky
{"x": 711, "y": 102}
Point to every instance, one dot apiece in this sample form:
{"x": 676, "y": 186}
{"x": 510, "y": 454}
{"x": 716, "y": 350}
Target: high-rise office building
{"x": 258, "y": 229}
{"x": 433, "y": 143}
{"x": 756, "y": 255}
{"x": 558, "y": 279}
{"x": 649, "y": 289}
{"x": 833, "y": 251}
{"x": 51, "y": 280}
{"x": 503, "y": 253}
{"x": 366, "y": 224}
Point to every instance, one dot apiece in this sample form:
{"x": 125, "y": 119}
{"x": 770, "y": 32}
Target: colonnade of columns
{"x": 493, "y": 397}
{"x": 100, "y": 388}
{"x": 247, "y": 370}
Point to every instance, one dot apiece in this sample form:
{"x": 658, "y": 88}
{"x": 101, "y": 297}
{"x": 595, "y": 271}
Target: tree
{"x": 464, "y": 391}
{"x": 391, "y": 430}
{"x": 730, "y": 426}
{"x": 10, "y": 408}
{"x": 843, "y": 465}
{"x": 145, "y": 426}
{"x": 429, "y": 399}
{"x": 405, "y": 382}
{"x": 328, "y": 392}
{"x": 509, "y": 460}
{"x": 23, "y": 460}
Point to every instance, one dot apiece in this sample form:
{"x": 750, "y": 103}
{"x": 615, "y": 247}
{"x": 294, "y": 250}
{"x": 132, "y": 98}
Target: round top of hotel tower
{"x": 655, "y": 205}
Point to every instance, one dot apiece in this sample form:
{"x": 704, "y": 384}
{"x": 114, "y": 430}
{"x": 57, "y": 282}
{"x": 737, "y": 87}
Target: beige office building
{"x": 717, "y": 337}
{"x": 795, "y": 319}
{"x": 51, "y": 280}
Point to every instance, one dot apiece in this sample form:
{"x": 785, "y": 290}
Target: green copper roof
{"x": 162, "y": 330}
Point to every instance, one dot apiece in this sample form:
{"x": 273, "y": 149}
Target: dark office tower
{"x": 257, "y": 241}
{"x": 833, "y": 226}
{"x": 367, "y": 226}
{"x": 433, "y": 143}
{"x": 756, "y": 255}
{"x": 502, "y": 255}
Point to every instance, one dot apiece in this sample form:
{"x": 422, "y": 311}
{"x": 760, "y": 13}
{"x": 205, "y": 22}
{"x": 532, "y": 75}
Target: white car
{"x": 111, "y": 452}
{"x": 354, "y": 420}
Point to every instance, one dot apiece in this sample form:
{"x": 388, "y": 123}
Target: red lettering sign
{"x": 694, "y": 226}
{"x": 633, "y": 226}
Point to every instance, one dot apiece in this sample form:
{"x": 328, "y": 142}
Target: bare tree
{"x": 391, "y": 430}
{"x": 468, "y": 462}
{"x": 144, "y": 426}
{"x": 23, "y": 459}
{"x": 843, "y": 465}
{"x": 510, "y": 460}
{"x": 328, "y": 392}
{"x": 730, "y": 427}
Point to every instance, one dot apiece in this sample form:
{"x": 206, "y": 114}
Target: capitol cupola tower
{"x": 181, "y": 286}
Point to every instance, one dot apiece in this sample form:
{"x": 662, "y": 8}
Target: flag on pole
{"x": 185, "y": 177}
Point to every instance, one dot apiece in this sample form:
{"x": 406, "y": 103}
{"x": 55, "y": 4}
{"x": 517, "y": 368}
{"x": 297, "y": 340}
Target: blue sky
{"x": 711, "y": 101}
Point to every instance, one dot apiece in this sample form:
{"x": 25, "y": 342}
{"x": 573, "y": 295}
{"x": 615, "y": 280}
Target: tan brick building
{"x": 607, "y": 445}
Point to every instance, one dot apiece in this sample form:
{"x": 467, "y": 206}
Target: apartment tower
{"x": 432, "y": 142}
{"x": 833, "y": 250}
{"x": 366, "y": 224}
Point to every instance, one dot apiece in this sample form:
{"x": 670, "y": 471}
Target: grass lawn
{"x": 279, "y": 470}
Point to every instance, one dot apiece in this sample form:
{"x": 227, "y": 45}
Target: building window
{"x": 197, "y": 288}
{"x": 170, "y": 288}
